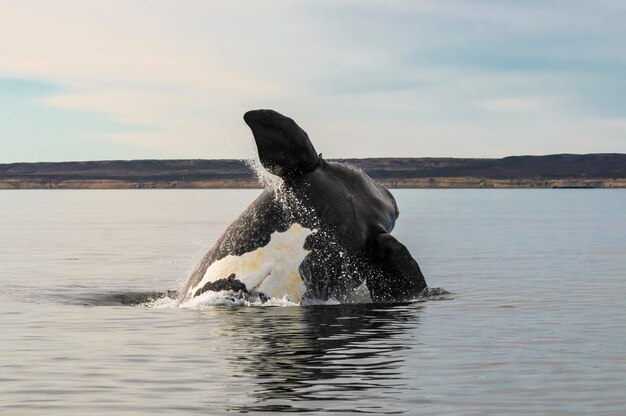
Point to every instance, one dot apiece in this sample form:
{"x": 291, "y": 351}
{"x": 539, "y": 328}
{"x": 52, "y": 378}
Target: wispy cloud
{"x": 364, "y": 78}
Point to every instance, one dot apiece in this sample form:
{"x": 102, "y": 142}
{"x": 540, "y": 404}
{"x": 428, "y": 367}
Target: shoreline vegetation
{"x": 602, "y": 170}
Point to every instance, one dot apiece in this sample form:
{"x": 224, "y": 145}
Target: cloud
{"x": 32, "y": 132}
{"x": 364, "y": 78}
{"x": 515, "y": 104}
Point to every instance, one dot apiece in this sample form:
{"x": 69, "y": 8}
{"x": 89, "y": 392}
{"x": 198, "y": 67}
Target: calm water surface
{"x": 536, "y": 324}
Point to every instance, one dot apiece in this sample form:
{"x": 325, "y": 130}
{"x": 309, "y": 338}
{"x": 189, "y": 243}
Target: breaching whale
{"x": 320, "y": 235}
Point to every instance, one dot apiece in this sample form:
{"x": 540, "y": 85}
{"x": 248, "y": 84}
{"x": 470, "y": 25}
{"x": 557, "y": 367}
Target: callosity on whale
{"x": 320, "y": 235}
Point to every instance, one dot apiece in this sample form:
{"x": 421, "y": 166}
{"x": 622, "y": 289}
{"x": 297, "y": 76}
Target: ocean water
{"x": 535, "y": 323}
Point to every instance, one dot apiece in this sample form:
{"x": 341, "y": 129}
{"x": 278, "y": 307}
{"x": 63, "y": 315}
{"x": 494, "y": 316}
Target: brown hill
{"x": 562, "y": 170}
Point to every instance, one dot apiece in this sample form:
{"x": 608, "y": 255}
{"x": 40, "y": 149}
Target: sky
{"x": 144, "y": 79}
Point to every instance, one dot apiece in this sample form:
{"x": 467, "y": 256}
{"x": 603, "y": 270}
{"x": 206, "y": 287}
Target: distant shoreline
{"x": 601, "y": 170}
{"x": 422, "y": 183}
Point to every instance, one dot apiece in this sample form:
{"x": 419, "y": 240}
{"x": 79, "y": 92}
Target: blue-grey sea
{"x": 535, "y": 323}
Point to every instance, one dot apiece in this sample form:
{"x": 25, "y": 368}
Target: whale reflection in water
{"x": 320, "y": 358}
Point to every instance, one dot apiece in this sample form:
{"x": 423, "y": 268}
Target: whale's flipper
{"x": 284, "y": 148}
{"x": 401, "y": 278}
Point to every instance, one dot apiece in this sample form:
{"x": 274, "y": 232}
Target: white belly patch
{"x": 272, "y": 270}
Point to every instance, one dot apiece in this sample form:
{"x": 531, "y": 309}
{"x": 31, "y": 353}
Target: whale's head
{"x": 284, "y": 148}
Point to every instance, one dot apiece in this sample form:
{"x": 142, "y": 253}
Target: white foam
{"x": 210, "y": 298}
{"x": 229, "y": 298}
{"x": 161, "y": 303}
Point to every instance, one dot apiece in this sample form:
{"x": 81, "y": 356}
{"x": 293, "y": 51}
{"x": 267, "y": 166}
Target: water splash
{"x": 210, "y": 299}
{"x": 293, "y": 207}
{"x": 267, "y": 179}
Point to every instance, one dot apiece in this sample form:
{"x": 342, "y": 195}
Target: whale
{"x": 322, "y": 234}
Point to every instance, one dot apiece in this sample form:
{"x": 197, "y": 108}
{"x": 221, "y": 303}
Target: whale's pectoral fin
{"x": 284, "y": 148}
{"x": 401, "y": 278}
